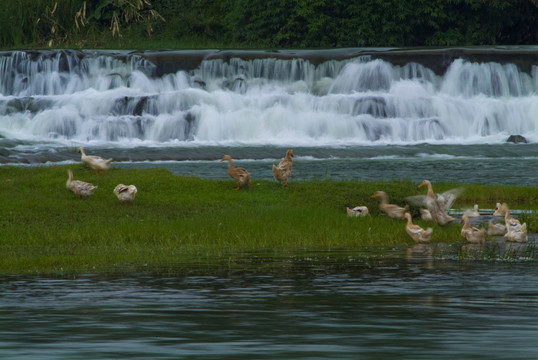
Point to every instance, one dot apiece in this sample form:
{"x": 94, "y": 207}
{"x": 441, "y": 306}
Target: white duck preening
{"x": 392, "y": 210}
{"x": 97, "y": 163}
{"x": 425, "y": 214}
{"x": 515, "y": 231}
{"x": 78, "y": 187}
{"x": 517, "y": 234}
{"x": 510, "y": 222}
{"x": 125, "y": 193}
{"x": 471, "y": 233}
{"x": 357, "y": 211}
{"x": 417, "y": 233}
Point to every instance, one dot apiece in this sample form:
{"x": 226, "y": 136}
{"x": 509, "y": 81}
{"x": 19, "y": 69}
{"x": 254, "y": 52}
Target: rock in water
{"x": 517, "y": 139}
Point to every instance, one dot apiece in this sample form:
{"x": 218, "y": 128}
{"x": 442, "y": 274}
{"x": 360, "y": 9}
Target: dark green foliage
{"x": 268, "y": 23}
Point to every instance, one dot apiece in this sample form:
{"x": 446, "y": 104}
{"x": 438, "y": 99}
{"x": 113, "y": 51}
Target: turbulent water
{"x": 342, "y": 115}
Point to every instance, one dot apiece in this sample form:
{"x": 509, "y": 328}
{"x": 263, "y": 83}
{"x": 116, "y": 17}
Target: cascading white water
{"x": 66, "y": 97}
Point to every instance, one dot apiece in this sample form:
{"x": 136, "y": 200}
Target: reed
{"x": 182, "y": 222}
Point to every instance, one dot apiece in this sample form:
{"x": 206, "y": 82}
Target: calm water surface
{"x": 411, "y": 305}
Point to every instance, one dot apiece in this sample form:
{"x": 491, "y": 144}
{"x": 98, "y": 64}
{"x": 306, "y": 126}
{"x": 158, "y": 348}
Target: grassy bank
{"x": 179, "y": 222}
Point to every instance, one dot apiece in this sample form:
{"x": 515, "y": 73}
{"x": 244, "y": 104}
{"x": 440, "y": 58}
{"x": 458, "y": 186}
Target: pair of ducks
{"x": 513, "y": 229}
{"x": 124, "y": 193}
{"x": 281, "y": 172}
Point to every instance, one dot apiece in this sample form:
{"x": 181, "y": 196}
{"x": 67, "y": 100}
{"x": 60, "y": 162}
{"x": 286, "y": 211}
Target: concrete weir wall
{"x": 438, "y": 60}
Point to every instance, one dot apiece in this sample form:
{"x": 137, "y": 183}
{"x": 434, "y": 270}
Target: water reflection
{"x": 412, "y": 303}
{"x": 421, "y": 252}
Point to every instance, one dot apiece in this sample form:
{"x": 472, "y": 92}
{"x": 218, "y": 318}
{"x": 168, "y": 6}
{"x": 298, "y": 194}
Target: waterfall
{"x": 65, "y": 97}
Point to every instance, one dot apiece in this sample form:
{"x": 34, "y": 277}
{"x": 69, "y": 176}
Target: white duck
{"x": 510, "y": 222}
{"x": 445, "y": 199}
{"x": 438, "y": 204}
{"x": 97, "y": 163}
{"x": 357, "y": 211}
{"x": 78, "y": 187}
{"x": 498, "y": 210}
{"x": 125, "y": 193}
{"x": 517, "y": 234}
{"x": 495, "y": 229}
{"x": 471, "y": 233}
{"x": 474, "y": 212}
{"x": 417, "y": 233}
{"x": 425, "y": 214}
{"x": 392, "y": 210}
{"x": 515, "y": 231}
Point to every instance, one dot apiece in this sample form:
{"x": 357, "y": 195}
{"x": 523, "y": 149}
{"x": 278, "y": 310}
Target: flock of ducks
{"x": 434, "y": 208}
{"x": 124, "y": 193}
{"x": 127, "y": 193}
{"x": 281, "y": 172}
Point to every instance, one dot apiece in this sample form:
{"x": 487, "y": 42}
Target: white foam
{"x": 360, "y": 102}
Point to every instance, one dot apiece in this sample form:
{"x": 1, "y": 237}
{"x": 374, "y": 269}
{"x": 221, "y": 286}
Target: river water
{"x": 417, "y": 307}
{"x": 350, "y": 114}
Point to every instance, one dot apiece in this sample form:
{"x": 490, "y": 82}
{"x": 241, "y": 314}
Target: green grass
{"x": 181, "y": 222}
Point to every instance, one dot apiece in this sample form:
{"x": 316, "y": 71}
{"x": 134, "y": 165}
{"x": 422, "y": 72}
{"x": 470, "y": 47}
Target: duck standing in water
{"x": 495, "y": 229}
{"x": 517, "y": 234}
{"x": 515, "y": 231}
{"x": 498, "y": 210}
{"x": 471, "y": 233}
{"x": 474, "y": 212}
{"x": 240, "y": 175}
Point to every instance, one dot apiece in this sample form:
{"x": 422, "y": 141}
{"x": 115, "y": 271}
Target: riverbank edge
{"x": 185, "y": 224}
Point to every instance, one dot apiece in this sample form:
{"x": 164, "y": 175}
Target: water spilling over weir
{"x": 129, "y": 99}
